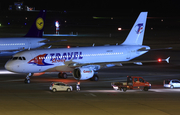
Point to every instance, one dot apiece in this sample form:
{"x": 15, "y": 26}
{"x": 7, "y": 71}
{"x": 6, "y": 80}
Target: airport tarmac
{"x": 96, "y": 98}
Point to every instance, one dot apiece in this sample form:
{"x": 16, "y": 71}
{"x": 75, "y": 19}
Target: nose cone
{"x": 8, "y": 66}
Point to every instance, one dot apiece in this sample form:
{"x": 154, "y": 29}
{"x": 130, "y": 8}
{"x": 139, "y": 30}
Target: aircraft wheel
{"x": 94, "y": 78}
{"x": 27, "y": 81}
{"x": 64, "y": 75}
{"x": 59, "y": 75}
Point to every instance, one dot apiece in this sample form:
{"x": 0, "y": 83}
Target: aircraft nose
{"x": 8, "y": 66}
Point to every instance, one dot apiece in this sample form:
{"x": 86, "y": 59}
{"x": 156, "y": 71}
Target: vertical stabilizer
{"x": 37, "y": 28}
{"x": 136, "y": 34}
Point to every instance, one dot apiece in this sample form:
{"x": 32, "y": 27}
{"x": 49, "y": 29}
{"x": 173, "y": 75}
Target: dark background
{"x": 163, "y": 7}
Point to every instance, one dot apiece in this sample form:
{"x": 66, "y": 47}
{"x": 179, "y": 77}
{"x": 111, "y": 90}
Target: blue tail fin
{"x": 37, "y": 28}
{"x": 136, "y": 34}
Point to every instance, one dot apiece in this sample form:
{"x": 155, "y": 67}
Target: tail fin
{"x": 136, "y": 34}
{"x": 37, "y": 28}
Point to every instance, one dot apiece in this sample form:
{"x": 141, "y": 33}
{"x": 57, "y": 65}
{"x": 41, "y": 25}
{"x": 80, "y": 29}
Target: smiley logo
{"x": 39, "y": 23}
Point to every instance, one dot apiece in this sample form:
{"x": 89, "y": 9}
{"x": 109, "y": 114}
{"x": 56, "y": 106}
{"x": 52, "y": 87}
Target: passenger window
{"x": 141, "y": 80}
{"x": 167, "y": 81}
{"x": 15, "y": 58}
{"x": 135, "y": 79}
{"x": 11, "y": 58}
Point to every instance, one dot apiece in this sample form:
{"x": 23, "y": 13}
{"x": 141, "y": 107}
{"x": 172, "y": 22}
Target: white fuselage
{"x": 13, "y": 45}
{"x": 52, "y": 60}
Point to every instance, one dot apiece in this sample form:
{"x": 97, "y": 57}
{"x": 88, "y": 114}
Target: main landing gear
{"x": 27, "y": 80}
{"x": 62, "y": 75}
{"x": 94, "y": 78}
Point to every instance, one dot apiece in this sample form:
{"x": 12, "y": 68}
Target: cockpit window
{"x": 23, "y": 58}
{"x": 14, "y": 58}
{"x": 18, "y": 58}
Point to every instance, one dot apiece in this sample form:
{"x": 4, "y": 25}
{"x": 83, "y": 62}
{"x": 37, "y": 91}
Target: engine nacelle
{"x": 83, "y": 73}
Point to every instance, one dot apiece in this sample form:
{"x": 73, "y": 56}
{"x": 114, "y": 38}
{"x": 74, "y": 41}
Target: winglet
{"x": 37, "y": 28}
{"x": 167, "y": 60}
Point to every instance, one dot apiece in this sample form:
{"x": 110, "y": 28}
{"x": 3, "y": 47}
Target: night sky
{"x": 166, "y": 7}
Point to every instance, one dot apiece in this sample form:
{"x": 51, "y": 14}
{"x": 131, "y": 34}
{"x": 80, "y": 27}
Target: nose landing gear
{"x": 27, "y": 80}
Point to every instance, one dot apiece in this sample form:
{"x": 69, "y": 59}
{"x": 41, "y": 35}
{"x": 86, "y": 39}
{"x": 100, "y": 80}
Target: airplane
{"x": 33, "y": 39}
{"x": 83, "y": 62}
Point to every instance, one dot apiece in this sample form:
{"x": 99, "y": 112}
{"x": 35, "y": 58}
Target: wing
{"x": 106, "y": 64}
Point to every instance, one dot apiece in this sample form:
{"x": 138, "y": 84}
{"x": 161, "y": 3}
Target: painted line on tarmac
{"x": 12, "y": 80}
{"x": 118, "y": 91}
{"x": 165, "y": 90}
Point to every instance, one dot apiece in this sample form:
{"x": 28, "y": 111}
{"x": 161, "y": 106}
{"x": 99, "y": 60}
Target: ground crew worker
{"x": 78, "y": 86}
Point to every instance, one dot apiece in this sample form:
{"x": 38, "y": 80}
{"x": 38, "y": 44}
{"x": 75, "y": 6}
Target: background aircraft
{"x": 33, "y": 39}
{"x": 83, "y": 62}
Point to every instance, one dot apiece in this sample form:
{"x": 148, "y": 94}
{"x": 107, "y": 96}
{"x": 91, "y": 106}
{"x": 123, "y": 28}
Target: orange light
{"x": 68, "y": 47}
{"x": 38, "y": 74}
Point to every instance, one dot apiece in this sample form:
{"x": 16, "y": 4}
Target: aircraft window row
{"x": 102, "y": 54}
{"x": 18, "y": 58}
{"x": 12, "y": 44}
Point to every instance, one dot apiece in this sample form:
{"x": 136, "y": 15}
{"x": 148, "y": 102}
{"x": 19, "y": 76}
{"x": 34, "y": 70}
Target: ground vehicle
{"x": 59, "y": 86}
{"x": 132, "y": 83}
{"x": 171, "y": 83}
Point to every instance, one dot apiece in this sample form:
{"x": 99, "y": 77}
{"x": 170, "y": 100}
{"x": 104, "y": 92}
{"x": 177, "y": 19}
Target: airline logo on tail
{"x": 39, "y": 23}
{"x": 39, "y": 60}
{"x": 139, "y": 28}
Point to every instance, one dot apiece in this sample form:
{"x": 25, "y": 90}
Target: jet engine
{"x": 83, "y": 73}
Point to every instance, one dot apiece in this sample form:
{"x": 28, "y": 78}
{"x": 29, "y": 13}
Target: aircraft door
{"x": 29, "y": 43}
{"x": 128, "y": 51}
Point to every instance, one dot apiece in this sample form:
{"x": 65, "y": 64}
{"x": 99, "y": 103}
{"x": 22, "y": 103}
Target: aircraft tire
{"x": 64, "y": 76}
{"x": 94, "y": 78}
{"x": 27, "y": 81}
{"x": 60, "y": 75}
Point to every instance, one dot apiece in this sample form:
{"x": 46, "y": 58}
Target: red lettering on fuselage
{"x": 54, "y": 60}
{"x": 87, "y": 71}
